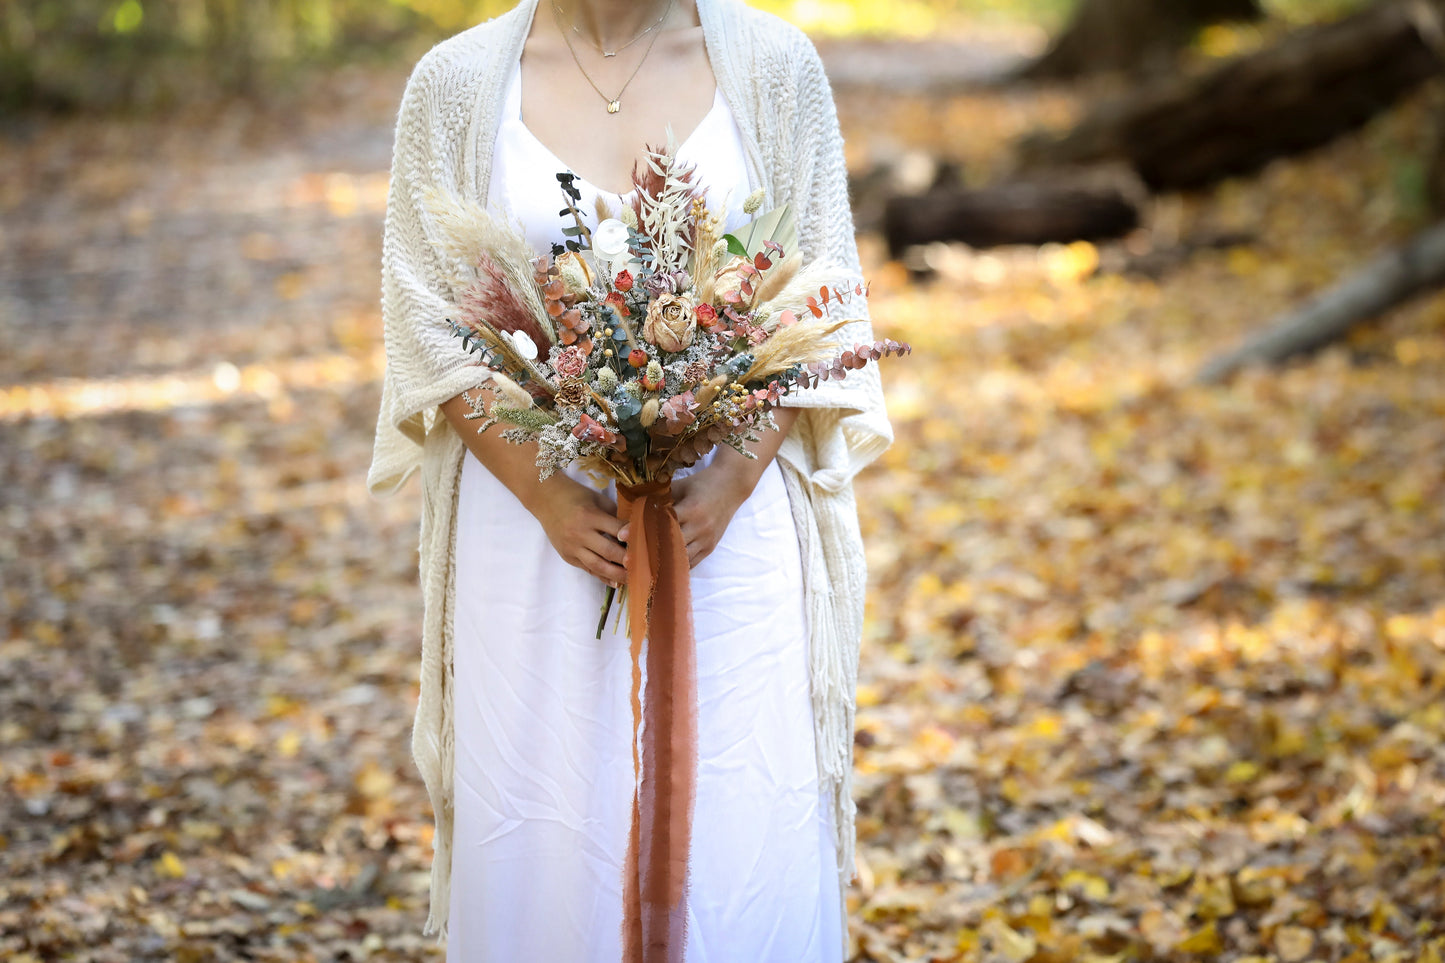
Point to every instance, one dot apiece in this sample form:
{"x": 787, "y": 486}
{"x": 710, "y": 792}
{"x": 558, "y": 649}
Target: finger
{"x": 606, "y": 547}
{"x": 688, "y": 519}
{"x": 607, "y": 522}
{"x": 612, "y": 574}
{"x": 697, "y": 553}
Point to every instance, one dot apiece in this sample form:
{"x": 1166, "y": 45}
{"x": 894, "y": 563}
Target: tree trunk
{"x": 1388, "y": 281}
{"x": 1131, "y": 35}
{"x": 1435, "y": 164}
{"x": 1294, "y": 96}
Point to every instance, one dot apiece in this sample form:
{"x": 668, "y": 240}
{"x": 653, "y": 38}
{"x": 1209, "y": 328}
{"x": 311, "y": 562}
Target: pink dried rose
{"x": 571, "y": 362}
{"x": 671, "y": 323}
{"x": 623, "y": 280}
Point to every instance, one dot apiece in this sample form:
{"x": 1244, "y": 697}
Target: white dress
{"x": 543, "y": 778}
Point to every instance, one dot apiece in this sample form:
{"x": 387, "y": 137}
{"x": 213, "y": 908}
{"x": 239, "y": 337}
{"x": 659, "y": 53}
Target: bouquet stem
{"x": 607, "y": 599}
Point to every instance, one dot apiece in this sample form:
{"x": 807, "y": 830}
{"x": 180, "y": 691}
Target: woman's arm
{"x": 580, "y": 522}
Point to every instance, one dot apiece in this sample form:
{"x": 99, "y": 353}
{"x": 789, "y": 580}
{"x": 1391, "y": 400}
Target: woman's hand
{"x": 705, "y": 502}
{"x": 582, "y": 526}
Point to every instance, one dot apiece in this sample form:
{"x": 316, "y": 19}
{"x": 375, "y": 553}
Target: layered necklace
{"x": 614, "y": 104}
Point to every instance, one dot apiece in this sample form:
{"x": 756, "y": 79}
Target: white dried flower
{"x": 524, "y": 344}
{"x": 609, "y": 241}
{"x": 576, "y": 275}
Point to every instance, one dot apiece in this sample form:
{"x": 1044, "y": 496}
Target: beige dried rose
{"x": 731, "y": 275}
{"x": 670, "y": 322}
{"x": 571, "y": 393}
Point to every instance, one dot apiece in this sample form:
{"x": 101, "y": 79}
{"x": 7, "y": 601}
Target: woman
{"x": 523, "y": 727}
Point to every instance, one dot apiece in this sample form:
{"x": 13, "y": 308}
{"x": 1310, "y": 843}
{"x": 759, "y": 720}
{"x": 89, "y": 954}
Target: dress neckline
{"x": 515, "y": 102}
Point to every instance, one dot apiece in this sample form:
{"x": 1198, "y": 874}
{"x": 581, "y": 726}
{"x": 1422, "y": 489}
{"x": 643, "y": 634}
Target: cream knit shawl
{"x": 773, "y": 80}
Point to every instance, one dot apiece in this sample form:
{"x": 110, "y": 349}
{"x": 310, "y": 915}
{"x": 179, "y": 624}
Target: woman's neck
{"x": 612, "y": 23}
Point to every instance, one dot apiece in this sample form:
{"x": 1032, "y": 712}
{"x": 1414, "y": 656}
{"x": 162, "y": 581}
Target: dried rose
{"x": 571, "y": 393}
{"x": 623, "y": 280}
{"x": 696, "y": 373}
{"x": 706, "y": 315}
{"x": 670, "y": 322}
{"x": 637, "y": 358}
{"x": 730, "y": 276}
{"x": 571, "y": 362}
{"x": 618, "y": 303}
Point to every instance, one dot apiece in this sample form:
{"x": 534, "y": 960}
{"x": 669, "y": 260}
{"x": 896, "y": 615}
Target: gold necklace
{"x": 614, "y": 104}
{"x": 557, "y": 10}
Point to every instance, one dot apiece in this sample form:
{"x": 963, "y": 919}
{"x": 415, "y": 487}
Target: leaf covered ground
{"x": 1152, "y": 671}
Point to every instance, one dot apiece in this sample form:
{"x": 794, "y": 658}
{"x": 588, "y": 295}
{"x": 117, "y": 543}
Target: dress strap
{"x": 513, "y": 108}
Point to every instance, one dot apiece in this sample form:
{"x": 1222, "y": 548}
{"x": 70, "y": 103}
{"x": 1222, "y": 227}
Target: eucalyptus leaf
{"x": 627, "y": 407}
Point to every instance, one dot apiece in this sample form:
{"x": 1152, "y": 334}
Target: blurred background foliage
{"x": 129, "y": 54}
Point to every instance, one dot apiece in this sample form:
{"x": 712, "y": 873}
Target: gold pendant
{"x": 613, "y": 106}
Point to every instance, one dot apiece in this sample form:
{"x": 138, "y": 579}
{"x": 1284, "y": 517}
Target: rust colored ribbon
{"x": 660, "y": 610}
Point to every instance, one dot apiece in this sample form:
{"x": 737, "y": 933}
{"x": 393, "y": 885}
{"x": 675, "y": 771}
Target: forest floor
{"x": 1151, "y": 671}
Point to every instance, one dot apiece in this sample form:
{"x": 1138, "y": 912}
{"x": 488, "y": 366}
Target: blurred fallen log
{"x": 1157, "y": 262}
{"x": 1012, "y": 213}
{"x": 1301, "y": 93}
{"x": 1388, "y": 281}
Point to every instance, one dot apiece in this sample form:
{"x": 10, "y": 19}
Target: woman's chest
{"x": 568, "y": 98}
{"x": 523, "y": 181}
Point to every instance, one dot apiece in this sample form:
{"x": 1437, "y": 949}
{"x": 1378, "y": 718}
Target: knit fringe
{"x": 833, "y": 635}
{"x": 433, "y": 735}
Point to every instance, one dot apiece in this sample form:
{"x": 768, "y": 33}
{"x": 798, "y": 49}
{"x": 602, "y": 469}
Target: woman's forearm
{"x": 580, "y": 522}
{"x": 742, "y": 472}
{"x": 515, "y": 466}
